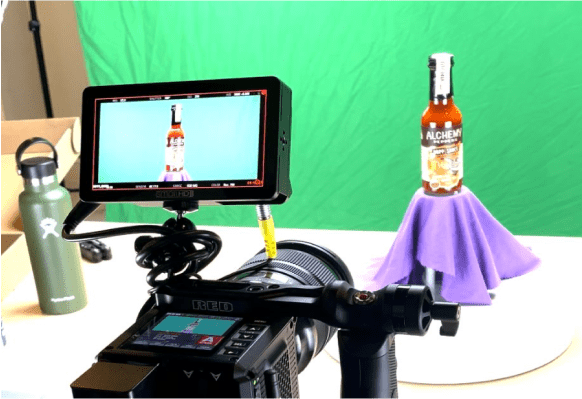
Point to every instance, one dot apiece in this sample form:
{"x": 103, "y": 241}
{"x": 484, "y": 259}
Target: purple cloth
{"x": 457, "y": 236}
{"x": 175, "y": 176}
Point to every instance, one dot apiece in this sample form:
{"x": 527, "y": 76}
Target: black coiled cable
{"x": 176, "y": 254}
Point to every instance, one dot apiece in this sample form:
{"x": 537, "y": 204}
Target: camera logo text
{"x": 175, "y": 194}
{"x": 212, "y": 306}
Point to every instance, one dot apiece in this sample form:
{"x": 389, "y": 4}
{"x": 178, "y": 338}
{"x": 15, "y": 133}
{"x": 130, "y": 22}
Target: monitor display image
{"x": 179, "y": 141}
{"x": 185, "y": 331}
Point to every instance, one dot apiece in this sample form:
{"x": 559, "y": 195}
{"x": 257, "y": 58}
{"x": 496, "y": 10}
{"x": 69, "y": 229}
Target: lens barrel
{"x": 299, "y": 263}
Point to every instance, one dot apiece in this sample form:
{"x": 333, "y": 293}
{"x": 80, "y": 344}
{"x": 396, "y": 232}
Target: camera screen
{"x": 204, "y": 140}
{"x": 185, "y": 331}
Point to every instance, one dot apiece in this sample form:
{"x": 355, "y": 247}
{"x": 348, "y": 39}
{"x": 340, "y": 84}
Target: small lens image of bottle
{"x": 175, "y": 142}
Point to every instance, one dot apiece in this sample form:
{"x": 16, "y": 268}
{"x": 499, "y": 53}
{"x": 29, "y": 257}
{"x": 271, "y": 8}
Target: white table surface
{"x": 44, "y": 354}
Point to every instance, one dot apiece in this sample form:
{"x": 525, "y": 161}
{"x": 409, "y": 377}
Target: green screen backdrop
{"x": 359, "y": 75}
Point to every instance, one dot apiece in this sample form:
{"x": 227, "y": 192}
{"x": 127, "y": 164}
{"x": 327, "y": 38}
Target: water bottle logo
{"x": 48, "y": 225}
{"x": 63, "y": 299}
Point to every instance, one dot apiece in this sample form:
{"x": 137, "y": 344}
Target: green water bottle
{"x": 44, "y": 204}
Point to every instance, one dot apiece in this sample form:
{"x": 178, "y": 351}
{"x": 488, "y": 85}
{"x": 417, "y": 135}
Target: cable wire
{"x": 174, "y": 253}
{"x": 177, "y": 256}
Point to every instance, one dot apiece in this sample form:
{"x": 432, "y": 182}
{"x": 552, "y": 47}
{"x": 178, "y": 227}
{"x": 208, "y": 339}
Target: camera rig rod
{"x": 403, "y": 309}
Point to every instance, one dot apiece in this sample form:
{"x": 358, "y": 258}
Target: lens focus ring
{"x": 304, "y": 267}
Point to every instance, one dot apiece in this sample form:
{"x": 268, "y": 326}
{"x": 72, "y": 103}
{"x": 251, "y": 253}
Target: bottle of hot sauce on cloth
{"x": 441, "y": 132}
{"x": 175, "y": 142}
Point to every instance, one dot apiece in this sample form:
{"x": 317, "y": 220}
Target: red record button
{"x": 209, "y": 340}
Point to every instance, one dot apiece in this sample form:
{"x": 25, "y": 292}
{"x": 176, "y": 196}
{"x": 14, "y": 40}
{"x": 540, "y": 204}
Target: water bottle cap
{"x": 37, "y": 168}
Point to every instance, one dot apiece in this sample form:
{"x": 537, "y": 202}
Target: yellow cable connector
{"x": 267, "y": 227}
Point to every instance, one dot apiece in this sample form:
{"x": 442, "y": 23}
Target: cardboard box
{"x": 65, "y": 135}
{"x": 15, "y": 262}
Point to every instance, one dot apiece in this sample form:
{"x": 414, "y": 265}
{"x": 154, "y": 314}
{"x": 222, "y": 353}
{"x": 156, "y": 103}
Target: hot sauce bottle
{"x": 175, "y": 142}
{"x": 441, "y": 132}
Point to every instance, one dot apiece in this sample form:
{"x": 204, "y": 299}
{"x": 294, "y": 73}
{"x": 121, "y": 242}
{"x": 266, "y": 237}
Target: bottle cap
{"x": 37, "y": 167}
{"x": 176, "y": 114}
{"x": 441, "y": 83}
{"x": 443, "y": 57}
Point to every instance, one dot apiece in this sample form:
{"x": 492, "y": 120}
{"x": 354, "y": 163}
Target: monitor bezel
{"x": 267, "y": 192}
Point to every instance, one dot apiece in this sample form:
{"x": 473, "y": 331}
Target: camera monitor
{"x": 187, "y": 331}
{"x": 215, "y": 141}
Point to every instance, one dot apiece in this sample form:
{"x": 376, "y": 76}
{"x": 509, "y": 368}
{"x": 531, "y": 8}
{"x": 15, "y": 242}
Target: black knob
{"x": 449, "y": 313}
{"x": 446, "y": 311}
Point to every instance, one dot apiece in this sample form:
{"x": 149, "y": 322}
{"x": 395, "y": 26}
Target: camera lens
{"x": 299, "y": 263}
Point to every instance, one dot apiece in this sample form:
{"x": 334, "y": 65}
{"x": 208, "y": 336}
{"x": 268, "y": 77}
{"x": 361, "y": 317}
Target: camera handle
{"x": 368, "y": 323}
{"x": 368, "y": 364}
{"x": 368, "y": 353}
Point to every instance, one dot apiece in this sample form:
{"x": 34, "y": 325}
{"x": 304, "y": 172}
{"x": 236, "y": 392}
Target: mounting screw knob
{"x": 364, "y": 297}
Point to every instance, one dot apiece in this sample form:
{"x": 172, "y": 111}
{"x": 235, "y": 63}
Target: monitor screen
{"x": 186, "y": 141}
{"x": 186, "y": 331}
{"x": 212, "y": 141}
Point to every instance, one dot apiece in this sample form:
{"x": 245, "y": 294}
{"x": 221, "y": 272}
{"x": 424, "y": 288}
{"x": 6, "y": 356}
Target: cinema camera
{"x": 250, "y": 333}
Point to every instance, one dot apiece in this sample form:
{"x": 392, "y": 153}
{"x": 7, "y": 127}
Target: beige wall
{"x": 21, "y": 90}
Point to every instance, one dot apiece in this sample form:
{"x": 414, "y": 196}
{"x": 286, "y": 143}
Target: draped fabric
{"x": 458, "y": 237}
{"x": 359, "y": 75}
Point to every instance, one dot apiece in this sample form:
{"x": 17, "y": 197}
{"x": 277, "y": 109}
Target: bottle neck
{"x": 438, "y": 103}
{"x": 441, "y": 82}
{"x": 176, "y": 126}
{"x": 43, "y": 184}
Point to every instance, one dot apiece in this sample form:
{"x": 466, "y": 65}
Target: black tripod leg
{"x": 34, "y": 27}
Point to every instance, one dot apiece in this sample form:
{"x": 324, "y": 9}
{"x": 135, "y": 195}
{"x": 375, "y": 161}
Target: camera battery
{"x": 115, "y": 380}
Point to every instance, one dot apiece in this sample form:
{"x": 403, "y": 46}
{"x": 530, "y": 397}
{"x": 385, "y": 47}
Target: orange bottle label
{"x": 442, "y": 156}
{"x": 175, "y": 154}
